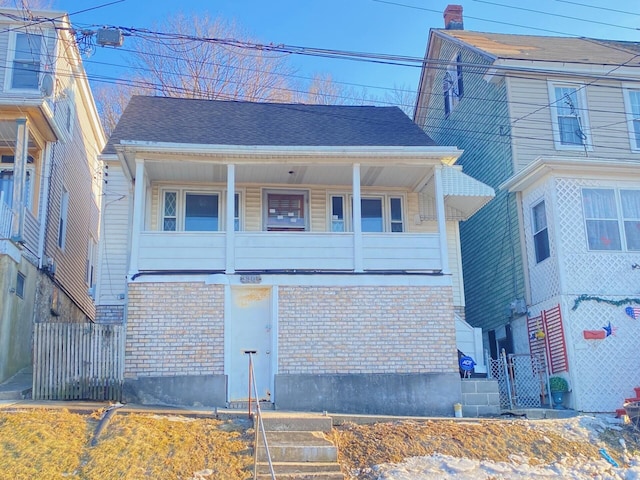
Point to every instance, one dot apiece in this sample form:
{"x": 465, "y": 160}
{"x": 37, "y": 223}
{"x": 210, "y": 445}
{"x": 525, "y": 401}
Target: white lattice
{"x": 603, "y": 372}
{"x": 543, "y": 276}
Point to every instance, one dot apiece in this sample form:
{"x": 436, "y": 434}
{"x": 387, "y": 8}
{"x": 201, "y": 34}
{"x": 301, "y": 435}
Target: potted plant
{"x": 558, "y": 387}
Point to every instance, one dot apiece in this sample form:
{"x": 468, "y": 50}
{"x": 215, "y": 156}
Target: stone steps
{"x": 298, "y": 447}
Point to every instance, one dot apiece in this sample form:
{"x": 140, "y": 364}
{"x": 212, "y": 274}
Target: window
{"x": 569, "y": 116}
{"x": 236, "y": 212}
{"x": 26, "y": 61}
{"x": 540, "y": 232}
{"x": 62, "y": 224}
{"x": 92, "y": 251}
{"x": 286, "y": 211}
{"x": 605, "y": 210}
{"x": 452, "y": 85}
{"x": 190, "y": 211}
{"x": 632, "y": 100}
{"x": 337, "y": 213}
{"x": 7, "y": 179}
{"x": 396, "y": 214}
{"x": 20, "y": 284}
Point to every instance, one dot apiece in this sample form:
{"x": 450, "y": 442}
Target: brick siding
{"x": 366, "y": 330}
{"x": 174, "y": 329}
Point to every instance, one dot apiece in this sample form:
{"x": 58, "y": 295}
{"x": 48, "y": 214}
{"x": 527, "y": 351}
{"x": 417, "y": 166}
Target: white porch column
{"x": 138, "y": 216}
{"x": 442, "y": 222}
{"x": 357, "y": 220}
{"x": 230, "y": 232}
{"x": 19, "y": 176}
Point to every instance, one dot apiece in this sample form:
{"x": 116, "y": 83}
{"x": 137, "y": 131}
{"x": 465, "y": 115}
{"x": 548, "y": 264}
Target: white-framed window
{"x": 20, "y": 281}
{"x": 62, "y": 223}
{"x": 190, "y": 210}
{"x": 90, "y": 266}
{"x": 285, "y": 210}
{"x": 378, "y": 213}
{"x": 7, "y": 180}
{"x": 540, "y": 231}
{"x": 452, "y": 84}
{"x": 612, "y": 218}
{"x": 569, "y": 117}
{"x": 25, "y": 58}
{"x": 632, "y": 106}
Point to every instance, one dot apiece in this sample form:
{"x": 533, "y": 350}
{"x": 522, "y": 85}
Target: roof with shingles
{"x": 217, "y": 122}
{"x": 551, "y": 49}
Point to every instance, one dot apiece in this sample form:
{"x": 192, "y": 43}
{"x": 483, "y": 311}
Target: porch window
{"x": 372, "y": 220}
{"x": 337, "y": 213}
{"x": 7, "y": 179}
{"x": 395, "y": 206}
{"x": 286, "y": 211}
{"x": 540, "y": 232}
{"x": 201, "y": 212}
{"x": 236, "y": 212}
{"x": 190, "y": 211}
{"x": 26, "y": 61}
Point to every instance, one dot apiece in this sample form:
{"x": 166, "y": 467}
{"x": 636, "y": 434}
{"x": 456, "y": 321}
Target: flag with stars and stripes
{"x": 633, "y": 312}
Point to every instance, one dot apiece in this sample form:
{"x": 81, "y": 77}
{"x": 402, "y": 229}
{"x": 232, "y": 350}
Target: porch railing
{"x": 6, "y": 218}
{"x": 323, "y": 251}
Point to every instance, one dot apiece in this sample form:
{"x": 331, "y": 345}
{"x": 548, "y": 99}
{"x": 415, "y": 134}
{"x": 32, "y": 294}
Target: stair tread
{"x": 296, "y": 439}
{"x": 300, "y": 467}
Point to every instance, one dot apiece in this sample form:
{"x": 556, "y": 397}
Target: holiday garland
{"x": 615, "y": 303}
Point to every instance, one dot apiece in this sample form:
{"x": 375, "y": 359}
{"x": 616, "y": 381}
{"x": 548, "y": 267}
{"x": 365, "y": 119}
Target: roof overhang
{"x": 462, "y": 192}
{"x": 574, "y": 167}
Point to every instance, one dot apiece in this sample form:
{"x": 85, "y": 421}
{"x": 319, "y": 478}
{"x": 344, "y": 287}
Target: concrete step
{"x": 244, "y": 405}
{"x": 298, "y": 471}
{"x": 297, "y": 447}
{"x": 296, "y": 422}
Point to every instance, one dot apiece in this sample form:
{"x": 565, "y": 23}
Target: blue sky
{"x": 395, "y": 27}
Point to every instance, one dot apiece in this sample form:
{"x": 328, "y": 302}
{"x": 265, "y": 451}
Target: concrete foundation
{"x": 184, "y": 390}
{"x": 418, "y": 394}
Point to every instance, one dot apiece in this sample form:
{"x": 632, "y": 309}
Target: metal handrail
{"x": 259, "y": 424}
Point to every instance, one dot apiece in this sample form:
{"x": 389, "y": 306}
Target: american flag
{"x": 633, "y": 312}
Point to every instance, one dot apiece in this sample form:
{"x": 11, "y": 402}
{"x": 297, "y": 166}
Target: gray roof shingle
{"x": 553, "y": 49}
{"x": 217, "y": 122}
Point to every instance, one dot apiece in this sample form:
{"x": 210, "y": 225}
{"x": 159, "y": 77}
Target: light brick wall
{"x": 366, "y": 330}
{"x": 174, "y": 329}
{"x": 110, "y": 314}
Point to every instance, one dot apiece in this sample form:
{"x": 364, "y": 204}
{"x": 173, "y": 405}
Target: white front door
{"x": 250, "y": 326}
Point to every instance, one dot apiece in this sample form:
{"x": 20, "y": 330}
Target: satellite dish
{"x": 46, "y": 87}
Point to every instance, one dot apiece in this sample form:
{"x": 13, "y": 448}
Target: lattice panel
{"x": 497, "y": 371}
{"x": 588, "y": 272}
{"x": 529, "y": 376}
{"x": 604, "y": 372}
{"x": 543, "y": 276}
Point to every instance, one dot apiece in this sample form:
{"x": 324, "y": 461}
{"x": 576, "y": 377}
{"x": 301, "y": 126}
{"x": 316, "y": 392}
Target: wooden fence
{"x": 78, "y": 361}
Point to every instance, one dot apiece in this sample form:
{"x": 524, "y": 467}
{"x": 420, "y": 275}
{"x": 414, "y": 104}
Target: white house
{"x": 325, "y": 238}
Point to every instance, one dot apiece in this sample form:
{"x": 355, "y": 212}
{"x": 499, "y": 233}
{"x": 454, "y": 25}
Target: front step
{"x": 244, "y": 405}
{"x": 297, "y": 447}
{"x": 299, "y": 422}
{"x": 301, "y": 471}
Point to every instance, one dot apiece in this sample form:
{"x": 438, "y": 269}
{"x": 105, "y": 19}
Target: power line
{"x": 599, "y": 8}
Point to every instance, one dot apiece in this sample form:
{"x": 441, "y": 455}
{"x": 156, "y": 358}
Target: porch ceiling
{"x": 8, "y": 135}
{"x": 393, "y": 176}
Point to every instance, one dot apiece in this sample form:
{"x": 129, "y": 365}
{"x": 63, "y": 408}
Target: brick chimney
{"x": 453, "y": 17}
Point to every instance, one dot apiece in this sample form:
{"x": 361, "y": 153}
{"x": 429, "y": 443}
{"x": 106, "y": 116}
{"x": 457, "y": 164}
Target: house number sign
{"x": 250, "y": 279}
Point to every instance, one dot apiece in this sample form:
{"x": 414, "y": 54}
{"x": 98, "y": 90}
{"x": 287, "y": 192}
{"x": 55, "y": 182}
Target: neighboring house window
{"x": 20, "y": 284}
{"x": 632, "y": 99}
{"x": 92, "y": 250}
{"x": 62, "y": 224}
{"x": 7, "y": 179}
{"x": 25, "y": 73}
{"x": 569, "y": 116}
{"x": 452, "y": 84}
{"x": 286, "y": 211}
{"x": 605, "y": 210}
{"x": 540, "y": 232}
{"x": 337, "y": 213}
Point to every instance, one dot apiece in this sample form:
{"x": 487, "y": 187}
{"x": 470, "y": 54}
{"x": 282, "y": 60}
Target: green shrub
{"x": 558, "y": 384}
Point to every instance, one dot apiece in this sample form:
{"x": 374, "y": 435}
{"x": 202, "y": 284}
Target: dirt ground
{"x": 57, "y": 444}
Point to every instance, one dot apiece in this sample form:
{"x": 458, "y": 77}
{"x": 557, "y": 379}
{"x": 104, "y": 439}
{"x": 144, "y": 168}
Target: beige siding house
{"x": 50, "y": 182}
{"x": 324, "y": 238}
{"x": 554, "y": 124}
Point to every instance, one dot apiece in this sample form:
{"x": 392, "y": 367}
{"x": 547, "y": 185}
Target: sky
{"x": 397, "y": 27}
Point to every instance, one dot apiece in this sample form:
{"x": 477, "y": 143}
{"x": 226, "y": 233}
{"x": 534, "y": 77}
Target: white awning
{"x": 463, "y": 195}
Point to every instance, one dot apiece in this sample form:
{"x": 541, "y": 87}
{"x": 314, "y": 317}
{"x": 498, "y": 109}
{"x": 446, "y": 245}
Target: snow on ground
{"x": 581, "y": 428}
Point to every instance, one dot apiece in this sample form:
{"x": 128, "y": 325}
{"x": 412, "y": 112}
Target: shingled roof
{"x": 216, "y": 122}
{"x": 551, "y": 49}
